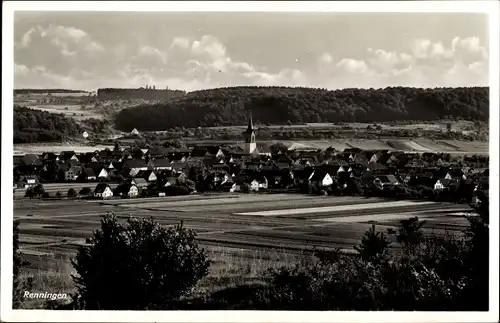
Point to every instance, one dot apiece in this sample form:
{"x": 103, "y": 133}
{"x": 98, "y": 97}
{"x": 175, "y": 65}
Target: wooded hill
{"x": 41, "y": 126}
{"x": 282, "y": 105}
{"x": 140, "y": 93}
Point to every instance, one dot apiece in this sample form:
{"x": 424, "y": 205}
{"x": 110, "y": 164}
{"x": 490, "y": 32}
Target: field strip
{"x": 351, "y": 207}
{"x": 214, "y": 201}
{"x": 367, "y": 218}
{"x": 262, "y": 205}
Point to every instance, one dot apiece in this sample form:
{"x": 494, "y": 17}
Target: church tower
{"x": 250, "y": 144}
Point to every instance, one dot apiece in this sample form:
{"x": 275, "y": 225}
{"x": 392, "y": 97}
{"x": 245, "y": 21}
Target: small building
{"x": 441, "y": 184}
{"x": 28, "y": 181}
{"x": 320, "y": 178}
{"x": 87, "y": 175}
{"x": 385, "y": 181}
{"x": 72, "y": 173}
{"x": 103, "y": 191}
{"x": 134, "y": 132}
{"x": 127, "y": 190}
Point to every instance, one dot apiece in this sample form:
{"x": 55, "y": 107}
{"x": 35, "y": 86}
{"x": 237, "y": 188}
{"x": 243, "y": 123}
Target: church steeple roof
{"x": 250, "y": 122}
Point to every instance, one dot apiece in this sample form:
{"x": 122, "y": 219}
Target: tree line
{"x": 282, "y": 105}
{"x": 140, "y": 93}
{"x": 40, "y": 126}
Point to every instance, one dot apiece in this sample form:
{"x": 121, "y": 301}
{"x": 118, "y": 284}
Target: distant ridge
{"x": 26, "y": 91}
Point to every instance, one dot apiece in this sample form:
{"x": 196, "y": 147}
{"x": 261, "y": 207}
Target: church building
{"x": 250, "y": 144}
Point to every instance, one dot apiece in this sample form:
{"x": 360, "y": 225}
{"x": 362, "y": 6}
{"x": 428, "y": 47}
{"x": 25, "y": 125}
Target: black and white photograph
{"x": 292, "y": 159}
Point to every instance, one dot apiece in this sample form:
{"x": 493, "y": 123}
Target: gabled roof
{"x": 134, "y": 163}
{"x": 101, "y": 187}
{"x": 318, "y": 175}
{"x": 66, "y": 155}
{"x": 124, "y": 188}
{"x": 89, "y": 172}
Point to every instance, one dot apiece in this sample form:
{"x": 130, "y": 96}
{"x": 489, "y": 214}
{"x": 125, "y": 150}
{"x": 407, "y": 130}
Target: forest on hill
{"x": 40, "y": 126}
{"x": 140, "y": 93}
{"x": 282, "y": 105}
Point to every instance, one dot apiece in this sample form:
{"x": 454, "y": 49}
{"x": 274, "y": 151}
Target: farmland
{"x": 286, "y": 222}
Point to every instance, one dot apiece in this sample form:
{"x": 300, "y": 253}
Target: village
{"x": 162, "y": 171}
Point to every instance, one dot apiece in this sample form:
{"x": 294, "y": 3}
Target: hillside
{"x": 281, "y": 105}
{"x": 141, "y": 93}
{"x": 40, "y": 126}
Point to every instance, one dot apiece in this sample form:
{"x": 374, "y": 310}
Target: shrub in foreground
{"x": 18, "y": 286}
{"x": 429, "y": 273}
{"x": 137, "y": 266}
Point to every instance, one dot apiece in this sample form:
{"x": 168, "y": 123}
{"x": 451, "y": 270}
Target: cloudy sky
{"x": 190, "y": 51}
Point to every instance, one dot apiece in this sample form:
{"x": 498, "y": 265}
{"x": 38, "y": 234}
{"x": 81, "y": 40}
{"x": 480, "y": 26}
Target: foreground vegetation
{"x": 282, "y": 105}
{"x": 163, "y": 268}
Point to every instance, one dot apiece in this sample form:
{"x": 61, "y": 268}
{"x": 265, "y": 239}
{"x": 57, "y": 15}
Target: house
{"x": 87, "y": 174}
{"x": 66, "y": 156}
{"x": 257, "y": 181}
{"x": 28, "y": 181}
{"x": 385, "y": 181}
{"x": 31, "y": 160}
{"x": 228, "y": 187}
{"x": 320, "y": 178}
{"x": 134, "y": 132}
{"x": 138, "y": 181}
{"x": 148, "y": 175}
{"x": 214, "y": 151}
{"x": 441, "y": 184}
{"x": 103, "y": 190}
{"x": 72, "y": 173}
{"x": 134, "y": 166}
{"x": 160, "y": 163}
{"x": 127, "y": 190}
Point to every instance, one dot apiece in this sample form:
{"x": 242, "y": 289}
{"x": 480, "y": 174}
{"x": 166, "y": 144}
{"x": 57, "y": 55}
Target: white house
{"x": 129, "y": 190}
{"x": 103, "y": 190}
{"x": 321, "y": 178}
{"x": 134, "y": 132}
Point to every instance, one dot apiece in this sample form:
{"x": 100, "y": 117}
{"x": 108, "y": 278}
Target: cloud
{"x": 181, "y": 42}
{"x": 352, "y": 65}
{"x": 425, "y": 64}
{"x": 59, "y": 40}
{"x": 63, "y": 56}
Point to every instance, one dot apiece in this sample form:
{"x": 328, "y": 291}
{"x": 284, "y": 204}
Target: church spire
{"x": 250, "y": 121}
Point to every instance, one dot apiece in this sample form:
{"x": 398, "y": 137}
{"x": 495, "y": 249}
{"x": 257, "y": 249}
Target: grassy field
{"x": 230, "y": 267}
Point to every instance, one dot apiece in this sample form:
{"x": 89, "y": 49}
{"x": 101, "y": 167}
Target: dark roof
{"x": 376, "y": 166}
{"x": 89, "y": 172}
{"x": 65, "y": 155}
{"x": 134, "y": 163}
{"x": 101, "y": 187}
{"x": 318, "y": 175}
{"x": 124, "y": 188}
{"x": 31, "y": 160}
{"x": 162, "y": 162}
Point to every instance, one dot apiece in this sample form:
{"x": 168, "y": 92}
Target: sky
{"x": 199, "y": 50}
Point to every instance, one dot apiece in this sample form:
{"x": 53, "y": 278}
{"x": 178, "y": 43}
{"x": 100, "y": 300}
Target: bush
{"x": 137, "y": 266}
{"x": 446, "y": 273}
{"x": 85, "y": 191}
{"x": 18, "y": 287}
{"x": 58, "y": 194}
{"x": 71, "y": 192}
